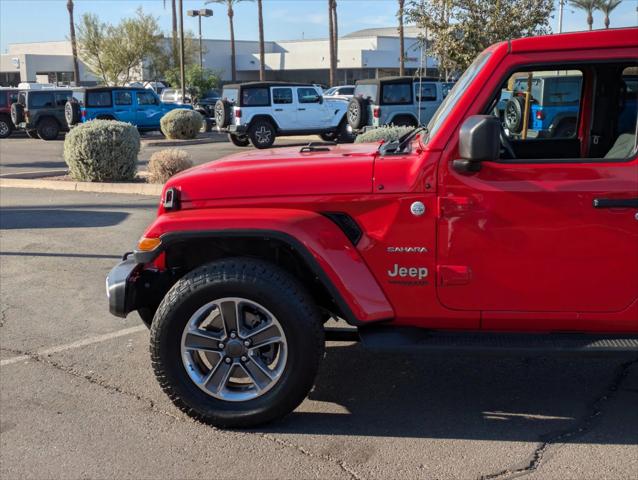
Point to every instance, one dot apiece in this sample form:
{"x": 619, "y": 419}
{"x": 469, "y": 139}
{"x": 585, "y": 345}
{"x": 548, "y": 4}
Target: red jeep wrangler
{"x": 458, "y": 237}
{"x": 7, "y": 97}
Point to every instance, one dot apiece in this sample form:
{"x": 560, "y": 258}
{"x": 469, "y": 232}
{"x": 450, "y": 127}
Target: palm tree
{"x": 231, "y": 13}
{"x": 608, "y": 6}
{"x": 74, "y": 47}
{"x": 401, "y": 39}
{"x": 262, "y": 67}
{"x": 174, "y": 52}
{"x": 588, "y": 6}
{"x": 333, "y": 33}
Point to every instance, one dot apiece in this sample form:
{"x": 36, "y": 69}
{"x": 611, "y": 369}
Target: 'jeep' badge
{"x": 417, "y": 209}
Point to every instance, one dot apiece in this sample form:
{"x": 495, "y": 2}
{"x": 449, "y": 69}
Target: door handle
{"x": 615, "y": 202}
{"x": 279, "y": 109}
{"x": 301, "y": 109}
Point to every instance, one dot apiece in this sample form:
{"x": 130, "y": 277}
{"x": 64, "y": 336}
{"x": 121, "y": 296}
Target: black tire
{"x": 17, "y": 113}
{"x": 344, "y": 136}
{"x": 565, "y": 129}
{"x": 222, "y": 113}
{"x": 256, "y": 281}
{"x": 513, "y": 114}
{"x": 239, "y": 141}
{"x": 48, "y": 129}
{"x": 32, "y": 134}
{"x": 6, "y": 126}
{"x": 262, "y": 134}
{"x": 357, "y": 113}
{"x": 404, "y": 121}
{"x": 72, "y": 112}
{"x": 207, "y": 125}
{"x": 329, "y": 137}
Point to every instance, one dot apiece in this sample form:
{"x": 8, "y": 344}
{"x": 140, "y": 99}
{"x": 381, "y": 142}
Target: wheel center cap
{"x": 234, "y": 348}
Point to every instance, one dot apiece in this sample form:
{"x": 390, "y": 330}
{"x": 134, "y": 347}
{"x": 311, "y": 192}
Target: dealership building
{"x": 369, "y": 53}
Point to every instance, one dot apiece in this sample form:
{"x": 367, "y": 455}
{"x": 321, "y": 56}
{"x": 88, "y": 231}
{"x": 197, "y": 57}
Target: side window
{"x": 346, "y": 91}
{"x": 146, "y": 98}
{"x": 255, "y": 97}
{"x": 541, "y": 104}
{"x": 13, "y": 98}
{"x": 98, "y": 99}
{"x": 396, "y": 93}
{"x": 41, "y": 100}
{"x": 61, "y": 98}
{"x": 426, "y": 92}
{"x": 308, "y": 95}
{"x": 123, "y": 98}
{"x": 281, "y": 95}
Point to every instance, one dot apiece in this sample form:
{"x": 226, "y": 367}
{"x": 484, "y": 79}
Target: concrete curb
{"x": 54, "y": 172}
{"x": 150, "y": 189}
{"x": 181, "y": 143}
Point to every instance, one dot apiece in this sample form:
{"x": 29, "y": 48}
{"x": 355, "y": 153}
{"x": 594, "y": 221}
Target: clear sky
{"x": 41, "y": 20}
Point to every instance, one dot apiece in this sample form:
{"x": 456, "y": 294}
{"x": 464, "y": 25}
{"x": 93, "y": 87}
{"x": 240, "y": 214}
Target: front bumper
{"x": 130, "y": 285}
{"x": 119, "y": 289}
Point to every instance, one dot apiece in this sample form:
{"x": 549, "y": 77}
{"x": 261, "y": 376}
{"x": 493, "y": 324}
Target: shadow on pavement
{"x": 457, "y": 397}
{"x": 61, "y": 255}
{"x": 33, "y": 218}
{"x": 37, "y": 165}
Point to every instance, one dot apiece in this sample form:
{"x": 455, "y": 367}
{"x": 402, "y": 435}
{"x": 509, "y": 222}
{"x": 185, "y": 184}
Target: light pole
{"x": 561, "y": 6}
{"x": 204, "y": 12}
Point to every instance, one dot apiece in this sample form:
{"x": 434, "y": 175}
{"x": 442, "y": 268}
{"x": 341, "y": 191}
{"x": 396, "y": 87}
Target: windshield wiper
{"x": 398, "y": 146}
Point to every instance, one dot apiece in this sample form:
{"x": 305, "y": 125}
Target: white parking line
{"x": 78, "y": 344}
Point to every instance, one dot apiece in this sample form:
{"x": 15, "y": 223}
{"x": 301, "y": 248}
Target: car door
{"x": 148, "y": 111}
{"x": 428, "y": 96}
{"x": 284, "y": 108}
{"x": 123, "y": 106}
{"x": 311, "y": 113}
{"x": 548, "y": 240}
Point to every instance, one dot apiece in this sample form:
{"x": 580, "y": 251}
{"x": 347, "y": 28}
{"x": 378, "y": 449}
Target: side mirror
{"x": 479, "y": 140}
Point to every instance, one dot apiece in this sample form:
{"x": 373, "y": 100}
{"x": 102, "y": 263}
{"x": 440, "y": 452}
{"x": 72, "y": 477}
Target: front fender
{"x": 322, "y": 244}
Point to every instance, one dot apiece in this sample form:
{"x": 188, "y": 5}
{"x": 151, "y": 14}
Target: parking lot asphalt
{"x": 78, "y": 398}
{"x": 20, "y": 154}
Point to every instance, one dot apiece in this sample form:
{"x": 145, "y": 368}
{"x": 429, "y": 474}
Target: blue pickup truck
{"x": 138, "y": 106}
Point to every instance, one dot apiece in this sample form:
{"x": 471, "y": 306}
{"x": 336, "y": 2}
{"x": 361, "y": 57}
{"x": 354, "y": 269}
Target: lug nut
{"x": 227, "y": 360}
{"x": 244, "y": 358}
{"x": 246, "y": 343}
{"x": 220, "y": 345}
{"x": 233, "y": 335}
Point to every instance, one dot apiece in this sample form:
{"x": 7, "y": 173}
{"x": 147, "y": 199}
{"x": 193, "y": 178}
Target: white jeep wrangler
{"x": 257, "y": 112}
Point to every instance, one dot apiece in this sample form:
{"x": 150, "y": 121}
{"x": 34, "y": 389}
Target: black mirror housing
{"x": 479, "y": 138}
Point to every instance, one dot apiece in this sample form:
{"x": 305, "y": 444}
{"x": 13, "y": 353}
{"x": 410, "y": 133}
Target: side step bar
{"x": 405, "y": 339}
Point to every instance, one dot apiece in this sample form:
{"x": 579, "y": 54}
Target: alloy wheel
{"x": 234, "y": 349}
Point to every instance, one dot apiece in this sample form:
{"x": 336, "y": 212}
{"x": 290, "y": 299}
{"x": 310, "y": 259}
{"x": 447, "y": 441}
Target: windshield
{"x": 459, "y": 88}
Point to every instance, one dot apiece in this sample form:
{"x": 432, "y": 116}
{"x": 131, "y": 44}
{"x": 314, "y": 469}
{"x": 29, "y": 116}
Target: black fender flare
{"x": 264, "y": 117}
{"x": 173, "y": 238}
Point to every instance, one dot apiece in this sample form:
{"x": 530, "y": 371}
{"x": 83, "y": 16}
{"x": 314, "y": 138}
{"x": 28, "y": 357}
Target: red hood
{"x": 280, "y": 172}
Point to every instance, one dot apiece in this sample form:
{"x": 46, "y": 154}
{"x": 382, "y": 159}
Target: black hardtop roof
{"x": 267, "y": 84}
{"x": 374, "y": 81}
{"x": 108, "y": 89}
{"x": 48, "y": 90}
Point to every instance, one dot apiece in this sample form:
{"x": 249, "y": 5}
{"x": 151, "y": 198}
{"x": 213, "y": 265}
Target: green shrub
{"x": 181, "y": 124}
{"x": 166, "y": 163}
{"x": 102, "y": 151}
{"x": 387, "y": 133}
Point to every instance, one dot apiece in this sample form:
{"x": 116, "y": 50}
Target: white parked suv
{"x": 258, "y": 112}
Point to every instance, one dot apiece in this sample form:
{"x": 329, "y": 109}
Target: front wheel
{"x": 237, "y": 343}
{"x": 5, "y": 127}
